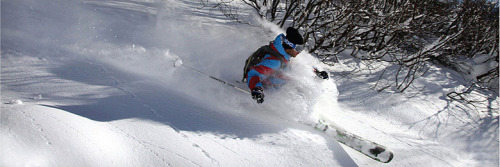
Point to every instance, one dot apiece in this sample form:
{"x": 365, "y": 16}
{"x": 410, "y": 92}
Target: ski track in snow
{"x": 37, "y": 126}
{"x": 148, "y": 146}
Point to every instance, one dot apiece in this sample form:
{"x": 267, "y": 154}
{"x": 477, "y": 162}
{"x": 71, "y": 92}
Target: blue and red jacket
{"x": 268, "y": 73}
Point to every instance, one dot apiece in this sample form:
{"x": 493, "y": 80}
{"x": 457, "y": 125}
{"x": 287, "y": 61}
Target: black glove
{"x": 321, "y": 74}
{"x": 258, "y": 94}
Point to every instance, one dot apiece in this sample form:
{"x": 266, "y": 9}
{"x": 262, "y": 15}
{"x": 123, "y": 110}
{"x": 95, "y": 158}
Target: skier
{"x": 263, "y": 69}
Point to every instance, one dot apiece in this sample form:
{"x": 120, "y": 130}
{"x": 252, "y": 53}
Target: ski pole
{"x": 212, "y": 77}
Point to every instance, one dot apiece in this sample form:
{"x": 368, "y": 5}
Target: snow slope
{"x": 92, "y": 83}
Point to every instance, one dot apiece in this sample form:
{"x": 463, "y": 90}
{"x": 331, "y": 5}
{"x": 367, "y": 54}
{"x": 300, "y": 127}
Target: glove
{"x": 258, "y": 94}
{"x": 321, "y": 74}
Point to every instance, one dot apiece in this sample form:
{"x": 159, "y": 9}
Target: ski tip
{"x": 391, "y": 155}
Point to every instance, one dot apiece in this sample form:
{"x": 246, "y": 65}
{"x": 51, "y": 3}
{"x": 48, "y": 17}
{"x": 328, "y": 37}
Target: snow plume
{"x": 305, "y": 96}
{"x": 153, "y": 62}
{"x": 269, "y": 26}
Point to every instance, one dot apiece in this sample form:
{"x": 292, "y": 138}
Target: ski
{"x": 371, "y": 149}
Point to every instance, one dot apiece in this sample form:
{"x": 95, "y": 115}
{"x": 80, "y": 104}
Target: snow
{"x": 93, "y": 83}
{"x": 16, "y": 102}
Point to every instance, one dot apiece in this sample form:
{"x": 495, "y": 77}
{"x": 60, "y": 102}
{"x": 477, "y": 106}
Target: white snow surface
{"x": 93, "y": 83}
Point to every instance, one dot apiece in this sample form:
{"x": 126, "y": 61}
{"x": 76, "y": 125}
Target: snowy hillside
{"x": 92, "y": 83}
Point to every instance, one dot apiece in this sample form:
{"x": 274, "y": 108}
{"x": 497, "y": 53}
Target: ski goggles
{"x": 298, "y": 48}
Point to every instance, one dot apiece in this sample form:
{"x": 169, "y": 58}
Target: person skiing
{"x": 263, "y": 69}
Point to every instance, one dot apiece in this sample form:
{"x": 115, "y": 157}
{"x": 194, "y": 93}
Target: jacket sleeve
{"x": 262, "y": 71}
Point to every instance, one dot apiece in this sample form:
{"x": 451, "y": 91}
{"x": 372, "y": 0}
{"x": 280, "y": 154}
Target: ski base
{"x": 371, "y": 149}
